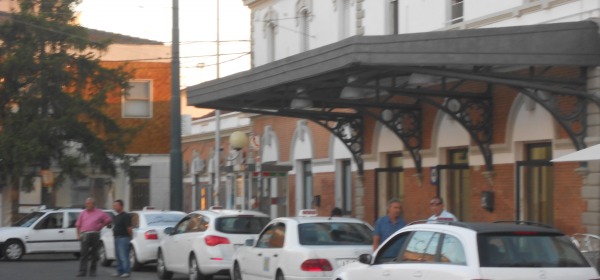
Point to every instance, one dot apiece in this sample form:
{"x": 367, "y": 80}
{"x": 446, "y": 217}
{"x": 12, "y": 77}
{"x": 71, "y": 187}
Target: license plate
{"x": 343, "y": 262}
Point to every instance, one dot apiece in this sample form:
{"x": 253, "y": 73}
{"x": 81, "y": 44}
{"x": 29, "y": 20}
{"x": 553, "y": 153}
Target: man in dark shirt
{"x": 122, "y": 232}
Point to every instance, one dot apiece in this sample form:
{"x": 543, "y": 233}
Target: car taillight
{"x": 151, "y": 235}
{"x": 213, "y": 240}
{"x": 316, "y": 265}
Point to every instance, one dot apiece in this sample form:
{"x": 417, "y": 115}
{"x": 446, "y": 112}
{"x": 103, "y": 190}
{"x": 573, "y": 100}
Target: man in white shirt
{"x": 436, "y": 204}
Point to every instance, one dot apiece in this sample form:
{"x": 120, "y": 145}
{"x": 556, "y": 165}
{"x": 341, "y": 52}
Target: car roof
{"x": 322, "y": 219}
{"x": 157, "y": 211}
{"x": 495, "y": 227}
{"x": 230, "y": 212}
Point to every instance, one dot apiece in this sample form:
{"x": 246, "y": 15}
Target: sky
{"x": 152, "y": 19}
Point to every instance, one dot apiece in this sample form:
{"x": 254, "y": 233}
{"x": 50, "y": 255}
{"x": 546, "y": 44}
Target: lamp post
{"x": 237, "y": 140}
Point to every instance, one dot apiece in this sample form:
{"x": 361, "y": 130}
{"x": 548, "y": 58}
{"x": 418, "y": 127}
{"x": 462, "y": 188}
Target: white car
{"x": 455, "y": 250}
{"x": 148, "y": 226}
{"x": 308, "y": 248}
{"x": 43, "y": 231}
{"x": 203, "y": 242}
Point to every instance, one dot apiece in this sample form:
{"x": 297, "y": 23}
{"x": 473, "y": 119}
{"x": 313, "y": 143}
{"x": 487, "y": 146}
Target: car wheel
{"x": 237, "y": 274}
{"x": 279, "y": 276}
{"x": 135, "y": 264}
{"x": 13, "y": 250}
{"x": 194, "y": 270}
{"x": 161, "y": 268}
{"x": 104, "y": 261}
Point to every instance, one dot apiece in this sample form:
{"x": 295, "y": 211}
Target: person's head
{"x": 394, "y": 208}
{"x": 90, "y": 203}
{"x": 436, "y": 204}
{"x": 118, "y": 205}
{"x": 336, "y": 212}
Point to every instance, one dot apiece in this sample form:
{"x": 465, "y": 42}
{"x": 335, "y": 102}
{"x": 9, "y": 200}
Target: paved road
{"x": 64, "y": 267}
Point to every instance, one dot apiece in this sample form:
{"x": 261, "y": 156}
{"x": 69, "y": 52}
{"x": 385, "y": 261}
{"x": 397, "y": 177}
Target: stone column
{"x": 590, "y": 191}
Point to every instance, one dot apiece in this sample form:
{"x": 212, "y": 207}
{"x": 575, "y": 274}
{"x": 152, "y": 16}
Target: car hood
{"x": 9, "y": 232}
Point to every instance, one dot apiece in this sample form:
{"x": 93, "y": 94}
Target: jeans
{"x": 90, "y": 241}
{"x": 122, "y": 254}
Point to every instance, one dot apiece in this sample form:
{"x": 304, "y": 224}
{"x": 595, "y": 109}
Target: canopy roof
{"x": 389, "y": 78}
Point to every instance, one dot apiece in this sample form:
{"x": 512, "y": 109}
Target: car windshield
{"x": 335, "y": 234}
{"x": 28, "y": 220}
{"x": 163, "y": 219}
{"x": 528, "y": 249}
{"x": 241, "y": 224}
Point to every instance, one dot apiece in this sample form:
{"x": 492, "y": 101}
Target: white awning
{"x": 587, "y": 154}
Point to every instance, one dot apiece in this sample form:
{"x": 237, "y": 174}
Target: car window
{"x": 320, "y": 234}
{"x": 162, "y": 219}
{"x": 272, "y": 237}
{"x": 390, "y": 251}
{"x": 29, "y": 220}
{"x": 528, "y": 249}
{"x": 135, "y": 220}
{"x": 198, "y": 223}
{"x": 452, "y": 251}
{"x": 72, "y": 219}
{"x": 421, "y": 247}
{"x": 51, "y": 221}
{"x": 241, "y": 224}
{"x": 182, "y": 225}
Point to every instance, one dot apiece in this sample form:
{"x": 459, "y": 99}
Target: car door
{"x": 417, "y": 257}
{"x": 70, "y": 233}
{"x": 254, "y": 261}
{"x": 451, "y": 261}
{"x": 174, "y": 246}
{"x": 47, "y": 235}
{"x": 385, "y": 260}
{"x": 272, "y": 254}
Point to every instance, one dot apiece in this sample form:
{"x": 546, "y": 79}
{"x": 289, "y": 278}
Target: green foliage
{"x": 53, "y": 96}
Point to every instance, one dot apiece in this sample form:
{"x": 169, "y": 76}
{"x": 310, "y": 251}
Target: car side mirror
{"x": 365, "y": 258}
{"x": 249, "y": 242}
{"x": 169, "y": 230}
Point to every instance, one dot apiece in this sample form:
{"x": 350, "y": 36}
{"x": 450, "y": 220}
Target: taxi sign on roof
{"x": 307, "y": 213}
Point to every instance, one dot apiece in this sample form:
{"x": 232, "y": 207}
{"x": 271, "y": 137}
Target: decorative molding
{"x": 270, "y": 18}
{"x": 301, "y": 7}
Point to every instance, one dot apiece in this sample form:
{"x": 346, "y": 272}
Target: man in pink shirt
{"x": 89, "y": 223}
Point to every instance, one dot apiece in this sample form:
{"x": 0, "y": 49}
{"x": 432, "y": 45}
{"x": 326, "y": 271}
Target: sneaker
{"x": 125, "y": 275}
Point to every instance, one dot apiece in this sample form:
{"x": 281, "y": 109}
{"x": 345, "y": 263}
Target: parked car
{"x": 43, "y": 231}
{"x": 203, "y": 242}
{"x": 455, "y": 250}
{"x": 148, "y": 226}
{"x": 303, "y": 248}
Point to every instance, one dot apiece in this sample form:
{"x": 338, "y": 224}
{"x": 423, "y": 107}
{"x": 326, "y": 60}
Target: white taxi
{"x": 302, "y": 248}
{"x": 43, "y": 231}
{"x": 202, "y": 243}
{"x": 148, "y": 226}
{"x": 456, "y": 250}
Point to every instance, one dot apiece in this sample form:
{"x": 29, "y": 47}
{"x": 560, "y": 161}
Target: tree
{"x": 53, "y": 97}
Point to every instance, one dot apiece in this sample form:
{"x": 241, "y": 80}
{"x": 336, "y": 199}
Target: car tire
{"x": 194, "y": 270}
{"x": 161, "y": 267}
{"x": 13, "y": 250}
{"x": 104, "y": 261}
{"x": 279, "y": 276}
{"x": 135, "y": 264}
{"x": 237, "y": 273}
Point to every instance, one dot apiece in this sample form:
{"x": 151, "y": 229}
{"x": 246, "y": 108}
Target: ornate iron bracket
{"x": 407, "y": 125}
{"x": 350, "y": 131}
{"x": 569, "y": 110}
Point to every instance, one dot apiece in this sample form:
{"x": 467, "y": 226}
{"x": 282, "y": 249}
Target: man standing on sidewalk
{"x": 122, "y": 232}
{"x": 89, "y": 224}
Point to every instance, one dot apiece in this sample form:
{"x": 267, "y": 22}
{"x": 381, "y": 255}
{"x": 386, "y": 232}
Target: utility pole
{"x": 176, "y": 182}
{"x": 217, "y": 159}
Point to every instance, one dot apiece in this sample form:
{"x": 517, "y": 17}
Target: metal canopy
{"x": 390, "y": 78}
